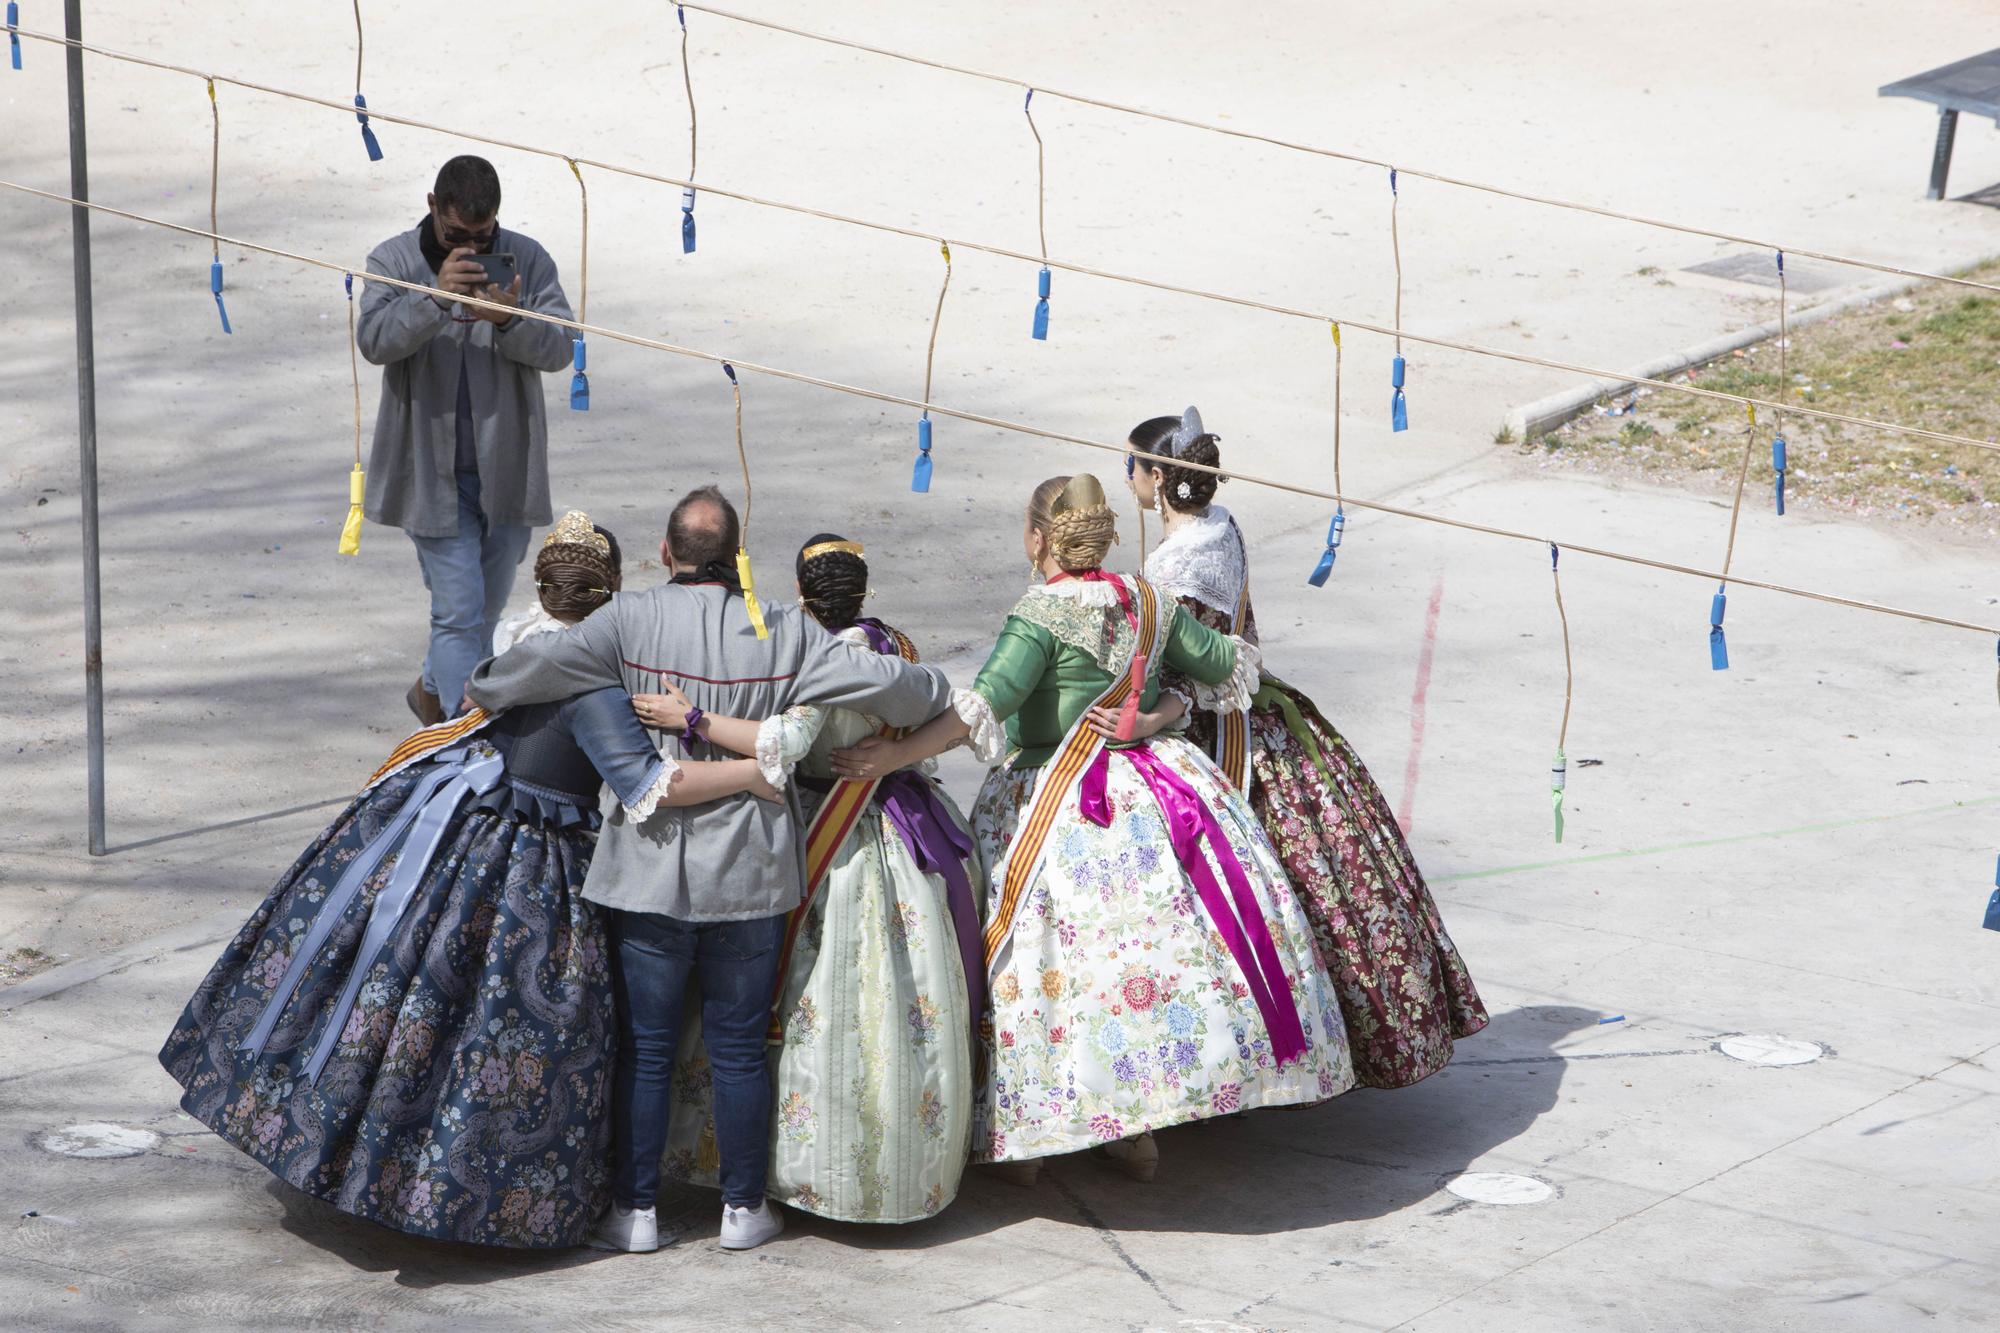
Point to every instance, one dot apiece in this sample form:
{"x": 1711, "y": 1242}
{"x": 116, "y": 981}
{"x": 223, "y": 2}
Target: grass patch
{"x": 1929, "y": 359}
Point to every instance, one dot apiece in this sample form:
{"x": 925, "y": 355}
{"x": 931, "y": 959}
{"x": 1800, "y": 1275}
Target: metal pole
{"x": 86, "y": 428}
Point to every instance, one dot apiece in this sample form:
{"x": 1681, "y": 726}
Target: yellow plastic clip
{"x": 211, "y": 90}
{"x": 1336, "y": 333}
{"x": 1753, "y": 414}
{"x": 945, "y": 246}
{"x": 750, "y": 605}
{"x": 350, "y": 531}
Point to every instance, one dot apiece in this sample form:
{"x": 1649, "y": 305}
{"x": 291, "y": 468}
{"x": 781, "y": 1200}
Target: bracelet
{"x": 688, "y": 733}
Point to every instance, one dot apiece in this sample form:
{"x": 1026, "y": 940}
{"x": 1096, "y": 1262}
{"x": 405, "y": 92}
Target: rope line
{"x": 1736, "y": 506}
{"x": 357, "y": 46}
{"x": 1003, "y": 252}
{"x": 583, "y": 276}
{"x": 1396, "y": 248}
{"x": 937, "y": 320}
{"x": 1569, "y": 666}
{"x": 1041, "y": 175}
{"x": 214, "y": 164}
{"x": 1340, "y": 155}
{"x": 687, "y": 81}
{"x": 982, "y": 419}
{"x": 354, "y": 363}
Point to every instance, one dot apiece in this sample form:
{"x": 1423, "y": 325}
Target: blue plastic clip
{"x": 1718, "y": 647}
{"x": 920, "y": 475}
{"x": 1399, "y": 412}
{"x": 687, "y": 220}
{"x": 1992, "y": 921}
{"x": 347, "y": 281}
{"x": 215, "y": 286}
{"x": 1333, "y": 533}
{"x": 1042, "y": 306}
{"x": 367, "y": 135}
{"x": 730, "y": 371}
{"x": 579, "y": 383}
{"x": 1778, "y": 466}
{"x": 14, "y": 38}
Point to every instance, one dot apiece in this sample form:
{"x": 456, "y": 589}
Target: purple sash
{"x": 940, "y": 847}
{"x": 937, "y": 845}
{"x": 1248, "y": 940}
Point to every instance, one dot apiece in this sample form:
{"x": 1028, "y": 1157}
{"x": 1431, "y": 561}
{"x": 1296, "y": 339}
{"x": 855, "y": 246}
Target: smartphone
{"x": 500, "y": 269}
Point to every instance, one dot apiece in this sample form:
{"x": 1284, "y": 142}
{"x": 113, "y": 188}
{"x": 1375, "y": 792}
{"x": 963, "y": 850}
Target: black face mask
{"x": 427, "y": 238}
{"x": 715, "y": 571}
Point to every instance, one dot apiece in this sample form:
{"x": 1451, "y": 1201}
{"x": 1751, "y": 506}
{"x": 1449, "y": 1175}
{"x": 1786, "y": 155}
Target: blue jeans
{"x": 735, "y": 965}
{"x": 469, "y": 576}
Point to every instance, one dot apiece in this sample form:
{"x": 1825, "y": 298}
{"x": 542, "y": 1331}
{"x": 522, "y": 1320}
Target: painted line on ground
{"x": 1417, "y": 699}
{"x": 1697, "y": 843}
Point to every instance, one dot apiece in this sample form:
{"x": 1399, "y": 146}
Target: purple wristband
{"x": 688, "y": 733}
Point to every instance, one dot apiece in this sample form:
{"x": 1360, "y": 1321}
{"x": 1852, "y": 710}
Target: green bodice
{"x": 1057, "y": 654}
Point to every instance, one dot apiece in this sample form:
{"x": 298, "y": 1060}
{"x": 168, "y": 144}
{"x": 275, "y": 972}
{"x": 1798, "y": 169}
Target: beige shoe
{"x": 1138, "y": 1158}
{"x": 1024, "y": 1174}
{"x": 424, "y": 704}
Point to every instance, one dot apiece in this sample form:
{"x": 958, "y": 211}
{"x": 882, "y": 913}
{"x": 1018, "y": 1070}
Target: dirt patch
{"x": 1930, "y": 358}
{"x": 22, "y": 962}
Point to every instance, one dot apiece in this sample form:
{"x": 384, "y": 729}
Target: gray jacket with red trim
{"x": 733, "y": 859}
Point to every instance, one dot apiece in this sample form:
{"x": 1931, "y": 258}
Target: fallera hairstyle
{"x": 833, "y": 584}
{"x": 575, "y": 578}
{"x": 703, "y": 528}
{"x": 1072, "y": 514}
{"x": 469, "y": 187}
{"x": 1153, "y": 437}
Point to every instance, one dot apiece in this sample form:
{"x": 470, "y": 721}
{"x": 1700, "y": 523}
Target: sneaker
{"x": 629, "y": 1230}
{"x": 747, "y": 1228}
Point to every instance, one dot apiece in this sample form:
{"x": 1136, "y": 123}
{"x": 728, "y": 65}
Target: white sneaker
{"x": 747, "y": 1228}
{"x": 631, "y": 1230}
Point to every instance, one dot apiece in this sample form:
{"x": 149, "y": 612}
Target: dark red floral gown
{"x": 1404, "y": 989}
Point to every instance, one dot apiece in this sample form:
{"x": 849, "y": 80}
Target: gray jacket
{"x": 733, "y": 859}
{"x": 412, "y": 481}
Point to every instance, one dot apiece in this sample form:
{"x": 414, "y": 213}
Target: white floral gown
{"x": 1117, "y": 1007}
{"x": 873, "y": 1080}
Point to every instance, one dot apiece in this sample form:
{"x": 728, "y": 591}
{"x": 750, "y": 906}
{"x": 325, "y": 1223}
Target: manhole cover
{"x": 1759, "y": 268}
{"x": 98, "y": 1140}
{"x": 1500, "y": 1187}
{"x": 1756, "y": 1048}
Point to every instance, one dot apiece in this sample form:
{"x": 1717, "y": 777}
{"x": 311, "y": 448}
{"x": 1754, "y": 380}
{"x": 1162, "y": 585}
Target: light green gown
{"x": 872, "y": 1104}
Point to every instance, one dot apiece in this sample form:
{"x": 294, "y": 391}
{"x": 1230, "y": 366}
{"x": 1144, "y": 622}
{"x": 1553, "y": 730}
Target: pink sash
{"x": 1244, "y": 931}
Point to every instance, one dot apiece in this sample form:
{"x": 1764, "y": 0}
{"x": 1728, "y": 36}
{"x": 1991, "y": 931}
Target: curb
{"x": 1545, "y": 414}
{"x": 213, "y": 929}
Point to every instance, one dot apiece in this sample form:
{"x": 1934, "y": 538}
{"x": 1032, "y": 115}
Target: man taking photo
{"x": 460, "y": 459}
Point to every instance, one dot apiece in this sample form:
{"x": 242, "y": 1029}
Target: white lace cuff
{"x": 989, "y": 737}
{"x": 1233, "y": 695}
{"x": 1187, "y": 707}
{"x": 772, "y": 765}
{"x": 641, "y": 810}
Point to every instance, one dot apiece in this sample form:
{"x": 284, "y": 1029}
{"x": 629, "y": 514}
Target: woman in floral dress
{"x": 1403, "y": 987}
{"x": 873, "y": 1065}
{"x": 416, "y": 1025}
{"x": 1147, "y": 964}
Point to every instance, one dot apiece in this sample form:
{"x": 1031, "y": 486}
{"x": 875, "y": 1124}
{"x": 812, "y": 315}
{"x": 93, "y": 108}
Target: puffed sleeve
{"x": 1013, "y": 669}
{"x": 603, "y": 724}
{"x": 784, "y": 740}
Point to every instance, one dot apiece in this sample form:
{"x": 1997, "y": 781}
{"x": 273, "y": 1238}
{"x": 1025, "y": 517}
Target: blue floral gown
{"x": 442, "y": 1065}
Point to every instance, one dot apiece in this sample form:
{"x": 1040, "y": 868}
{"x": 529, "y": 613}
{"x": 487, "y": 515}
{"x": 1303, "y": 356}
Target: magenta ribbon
{"x": 1248, "y": 940}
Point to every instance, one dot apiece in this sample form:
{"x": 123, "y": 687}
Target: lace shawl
{"x": 1083, "y": 616}
{"x": 1203, "y": 558}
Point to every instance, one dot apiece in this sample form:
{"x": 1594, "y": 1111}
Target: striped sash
{"x": 1232, "y": 730}
{"x": 1060, "y": 774}
{"x": 429, "y": 741}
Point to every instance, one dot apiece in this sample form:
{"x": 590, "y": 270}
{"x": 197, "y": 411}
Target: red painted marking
{"x": 1417, "y": 706}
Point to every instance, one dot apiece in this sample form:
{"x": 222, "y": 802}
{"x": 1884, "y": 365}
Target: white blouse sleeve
{"x": 1233, "y": 695}
{"x": 784, "y": 740}
{"x": 989, "y": 734}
